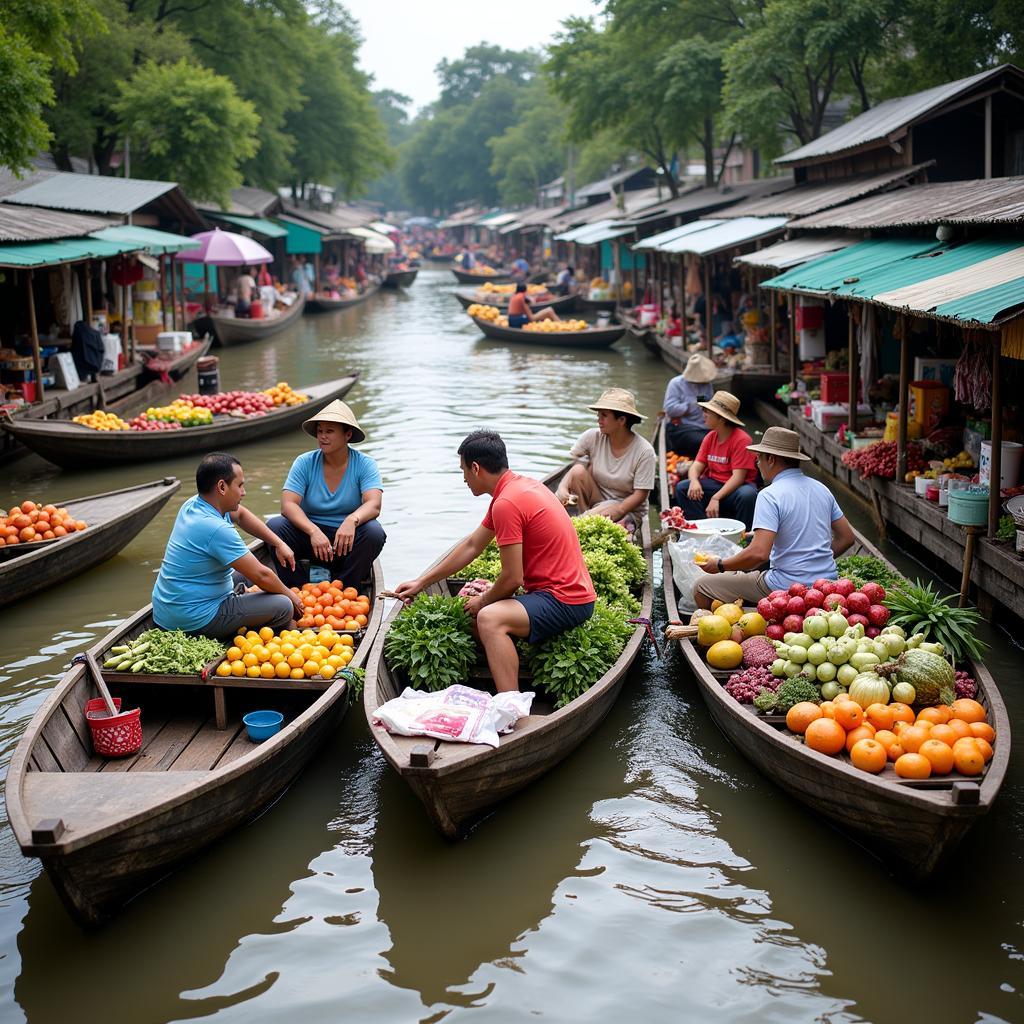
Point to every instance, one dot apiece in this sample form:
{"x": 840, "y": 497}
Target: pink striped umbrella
{"x": 225, "y": 249}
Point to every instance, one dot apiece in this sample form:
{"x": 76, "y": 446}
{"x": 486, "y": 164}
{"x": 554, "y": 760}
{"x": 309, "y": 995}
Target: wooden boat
{"x": 458, "y": 782}
{"x": 230, "y": 330}
{"x": 105, "y": 830}
{"x": 73, "y": 445}
{"x": 913, "y": 826}
{"x": 585, "y": 304}
{"x": 322, "y": 304}
{"x": 400, "y": 278}
{"x": 635, "y": 330}
{"x": 593, "y": 337}
{"x": 113, "y": 521}
{"x": 475, "y": 277}
{"x": 559, "y": 303}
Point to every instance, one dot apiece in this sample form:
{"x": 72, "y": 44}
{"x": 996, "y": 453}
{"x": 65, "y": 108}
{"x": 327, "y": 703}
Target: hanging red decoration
{"x": 125, "y": 270}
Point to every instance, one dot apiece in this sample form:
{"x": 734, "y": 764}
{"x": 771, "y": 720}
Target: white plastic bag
{"x": 685, "y": 572}
{"x": 458, "y": 713}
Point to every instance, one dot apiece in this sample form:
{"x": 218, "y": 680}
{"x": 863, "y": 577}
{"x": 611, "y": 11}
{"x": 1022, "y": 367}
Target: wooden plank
{"x": 62, "y": 739}
{"x": 172, "y": 741}
{"x": 44, "y": 757}
{"x": 206, "y": 748}
{"x": 151, "y": 729}
{"x": 240, "y": 746}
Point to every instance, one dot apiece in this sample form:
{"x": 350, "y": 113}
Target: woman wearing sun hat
{"x": 685, "y": 429}
{"x": 617, "y": 470}
{"x": 722, "y": 478}
{"x": 331, "y": 500}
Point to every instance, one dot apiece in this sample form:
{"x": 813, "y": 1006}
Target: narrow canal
{"x": 653, "y": 874}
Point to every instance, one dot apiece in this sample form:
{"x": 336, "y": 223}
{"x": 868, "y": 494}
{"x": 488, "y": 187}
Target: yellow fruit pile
{"x": 962, "y": 460}
{"x": 290, "y": 654}
{"x": 484, "y": 312}
{"x": 556, "y": 326}
{"x": 102, "y": 421}
{"x": 507, "y": 289}
{"x": 282, "y": 394}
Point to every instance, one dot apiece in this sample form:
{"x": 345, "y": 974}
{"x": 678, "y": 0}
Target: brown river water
{"x": 654, "y": 874}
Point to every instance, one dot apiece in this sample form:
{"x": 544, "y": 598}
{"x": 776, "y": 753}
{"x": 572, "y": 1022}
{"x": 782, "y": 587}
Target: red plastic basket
{"x": 117, "y": 736}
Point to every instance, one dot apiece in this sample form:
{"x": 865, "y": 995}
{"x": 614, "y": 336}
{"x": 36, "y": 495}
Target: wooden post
{"x": 773, "y": 330}
{"x": 682, "y": 296}
{"x": 88, "y": 292}
{"x": 163, "y": 291}
{"x": 791, "y": 309}
{"x": 316, "y": 272}
{"x": 995, "y": 467}
{"x": 707, "y": 301}
{"x": 904, "y": 400}
{"x": 852, "y": 359}
{"x": 33, "y": 329}
{"x": 174, "y": 294}
{"x": 965, "y": 579}
{"x": 130, "y": 297}
{"x": 124, "y": 322}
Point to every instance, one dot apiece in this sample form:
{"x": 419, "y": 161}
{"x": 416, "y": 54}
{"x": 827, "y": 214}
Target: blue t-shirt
{"x": 324, "y": 507}
{"x": 681, "y": 398}
{"x": 800, "y": 512}
{"x": 195, "y": 575}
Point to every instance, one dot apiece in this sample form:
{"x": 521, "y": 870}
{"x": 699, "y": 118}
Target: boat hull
{"x": 229, "y": 330}
{"x": 469, "y": 277}
{"x": 399, "y": 279}
{"x": 319, "y": 304}
{"x": 595, "y": 337}
{"x": 559, "y": 303}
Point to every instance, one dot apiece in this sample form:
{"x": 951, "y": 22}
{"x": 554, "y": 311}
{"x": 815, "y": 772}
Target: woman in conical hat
{"x": 686, "y": 428}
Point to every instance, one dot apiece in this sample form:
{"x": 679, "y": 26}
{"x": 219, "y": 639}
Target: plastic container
{"x": 921, "y": 485}
{"x": 968, "y": 508}
{"x": 113, "y": 736}
{"x": 261, "y": 725}
{"x": 932, "y": 493}
{"x": 730, "y": 529}
{"x": 835, "y": 387}
{"x": 929, "y": 403}
{"x": 1009, "y": 464}
{"x": 208, "y": 375}
{"x": 256, "y": 309}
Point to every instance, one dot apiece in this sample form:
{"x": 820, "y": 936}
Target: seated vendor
{"x": 195, "y": 589}
{"x": 330, "y": 502}
{"x": 519, "y": 311}
{"x": 685, "y": 429}
{"x": 617, "y": 471}
{"x": 799, "y": 530}
{"x": 722, "y": 478}
{"x": 540, "y": 552}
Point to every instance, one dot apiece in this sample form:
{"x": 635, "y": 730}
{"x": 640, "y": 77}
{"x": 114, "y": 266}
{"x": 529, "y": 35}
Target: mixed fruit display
{"x": 879, "y": 459}
{"x": 673, "y": 519}
{"x": 676, "y": 466}
{"x": 333, "y": 605}
{"x": 490, "y": 288}
{"x": 32, "y": 523}
{"x": 495, "y": 316}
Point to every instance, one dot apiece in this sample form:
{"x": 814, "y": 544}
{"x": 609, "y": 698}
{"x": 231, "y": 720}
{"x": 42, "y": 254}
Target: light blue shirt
{"x": 800, "y": 512}
{"x": 195, "y": 575}
{"x": 681, "y": 398}
{"x": 325, "y": 507}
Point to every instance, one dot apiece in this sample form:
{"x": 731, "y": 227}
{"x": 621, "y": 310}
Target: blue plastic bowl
{"x": 261, "y": 725}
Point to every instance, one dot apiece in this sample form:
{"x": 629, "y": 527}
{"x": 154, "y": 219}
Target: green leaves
{"x": 486, "y": 565}
{"x": 432, "y": 643}
{"x": 596, "y": 533}
{"x": 920, "y": 609}
{"x": 868, "y": 569}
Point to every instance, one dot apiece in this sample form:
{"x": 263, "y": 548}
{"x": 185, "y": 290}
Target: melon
{"x": 725, "y": 654}
{"x": 713, "y": 628}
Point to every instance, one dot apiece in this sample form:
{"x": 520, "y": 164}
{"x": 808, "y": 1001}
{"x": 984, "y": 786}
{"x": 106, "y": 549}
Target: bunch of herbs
{"x": 920, "y": 609}
{"x": 868, "y": 569}
{"x": 432, "y": 642}
{"x": 610, "y": 582}
{"x": 486, "y": 565}
{"x": 596, "y": 533}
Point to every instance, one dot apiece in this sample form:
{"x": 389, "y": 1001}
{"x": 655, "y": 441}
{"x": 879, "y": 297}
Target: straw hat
{"x": 699, "y": 369}
{"x": 617, "y": 400}
{"x": 726, "y": 405}
{"x": 780, "y": 441}
{"x": 336, "y": 412}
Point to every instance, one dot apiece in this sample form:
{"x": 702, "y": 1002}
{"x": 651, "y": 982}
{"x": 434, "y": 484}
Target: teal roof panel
{"x": 258, "y": 225}
{"x": 68, "y": 250}
{"x": 153, "y": 241}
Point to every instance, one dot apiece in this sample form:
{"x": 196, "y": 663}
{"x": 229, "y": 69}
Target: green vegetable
{"x": 610, "y": 582}
{"x": 920, "y": 609}
{"x": 432, "y": 642}
{"x": 1007, "y": 528}
{"x": 567, "y": 665}
{"x": 596, "y": 533}
{"x": 868, "y": 569}
{"x": 486, "y": 565}
{"x": 164, "y": 652}
{"x": 931, "y": 676}
{"x": 766, "y": 701}
{"x": 793, "y": 691}
{"x": 354, "y": 677}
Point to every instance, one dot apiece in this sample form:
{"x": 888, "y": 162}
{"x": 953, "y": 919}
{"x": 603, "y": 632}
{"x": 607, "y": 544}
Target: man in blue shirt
{"x": 686, "y": 427}
{"x": 195, "y": 589}
{"x": 799, "y": 529}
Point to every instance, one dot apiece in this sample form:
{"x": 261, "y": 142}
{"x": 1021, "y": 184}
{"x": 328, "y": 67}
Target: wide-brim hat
{"x": 780, "y": 441}
{"x": 726, "y": 405}
{"x": 699, "y": 369}
{"x": 617, "y": 400}
{"x": 336, "y": 412}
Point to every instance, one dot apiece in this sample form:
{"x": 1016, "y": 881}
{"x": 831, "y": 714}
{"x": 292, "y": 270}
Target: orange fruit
{"x": 889, "y": 740}
{"x": 913, "y": 766}
{"x": 841, "y": 698}
{"x": 968, "y": 758}
{"x": 297, "y": 673}
{"x": 933, "y": 715}
{"x": 902, "y": 712}
{"x": 825, "y": 735}
{"x": 912, "y": 737}
{"x": 362, "y": 620}
{"x": 983, "y": 731}
{"x": 253, "y": 671}
{"x": 862, "y": 732}
{"x": 238, "y": 668}
{"x": 282, "y": 670}
{"x": 296, "y": 660}
{"x": 827, "y": 709}
{"x": 250, "y": 659}
{"x": 350, "y": 593}
{"x": 267, "y": 671}
{"x": 799, "y": 716}
{"x": 939, "y": 755}
{"x": 346, "y": 641}
{"x": 868, "y": 755}
{"x": 849, "y": 714}
{"x": 943, "y": 734}
{"x": 985, "y": 747}
{"x": 960, "y": 727}
{"x": 968, "y": 710}
{"x": 881, "y": 716}
{"x": 310, "y": 668}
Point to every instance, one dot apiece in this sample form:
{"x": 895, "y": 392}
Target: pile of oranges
{"x": 290, "y": 654}
{"x": 937, "y": 741}
{"x": 282, "y": 394}
{"x": 333, "y": 604}
{"x": 31, "y": 522}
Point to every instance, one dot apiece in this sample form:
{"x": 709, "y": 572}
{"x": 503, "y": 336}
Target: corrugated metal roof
{"x": 808, "y": 199}
{"x": 794, "y": 252}
{"x": 11, "y": 183}
{"x": 30, "y": 223}
{"x": 697, "y": 201}
{"x": 594, "y": 234}
{"x": 829, "y": 272}
{"x": 496, "y": 220}
{"x": 152, "y": 241}
{"x": 891, "y": 118}
{"x": 93, "y": 193}
{"x": 606, "y": 185}
{"x": 68, "y": 250}
{"x": 1000, "y": 302}
{"x": 259, "y": 225}
{"x": 726, "y": 235}
{"x": 654, "y": 241}
{"x": 574, "y": 234}
{"x": 983, "y": 201}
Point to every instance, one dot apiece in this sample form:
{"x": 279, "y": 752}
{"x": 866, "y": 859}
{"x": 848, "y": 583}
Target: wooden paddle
{"x": 97, "y": 678}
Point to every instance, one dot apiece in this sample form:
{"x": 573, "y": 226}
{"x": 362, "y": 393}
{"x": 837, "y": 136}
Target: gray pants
{"x": 240, "y": 612}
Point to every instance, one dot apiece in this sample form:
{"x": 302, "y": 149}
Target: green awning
{"x": 302, "y": 241}
{"x": 68, "y": 250}
{"x": 257, "y": 225}
{"x": 155, "y": 242}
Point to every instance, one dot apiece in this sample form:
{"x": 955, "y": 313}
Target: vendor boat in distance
{"x": 478, "y": 277}
{"x": 912, "y": 826}
{"x": 544, "y": 300}
{"x": 592, "y": 337}
{"x": 321, "y": 303}
{"x": 230, "y": 330}
{"x": 458, "y": 783}
{"x": 400, "y": 278}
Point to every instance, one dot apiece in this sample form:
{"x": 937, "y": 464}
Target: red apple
{"x": 835, "y": 602}
{"x": 796, "y": 606}
{"x": 766, "y": 609}
{"x": 872, "y": 632}
{"x": 858, "y": 603}
{"x": 775, "y": 631}
{"x": 874, "y": 592}
{"x": 814, "y": 598}
{"x": 844, "y": 586}
{"x": 797, "y": 590}
{"x": 792, "y": 624}
{"x": 858, "y": 620}
{"x": 878, "y": 615}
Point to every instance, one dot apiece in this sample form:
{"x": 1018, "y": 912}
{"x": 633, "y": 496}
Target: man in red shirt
{"x": 540, "y": 552}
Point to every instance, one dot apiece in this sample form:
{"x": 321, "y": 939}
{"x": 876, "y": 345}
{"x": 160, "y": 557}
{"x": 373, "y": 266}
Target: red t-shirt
{"x": 721, "y": 459}
{"x": 523, "y": 511}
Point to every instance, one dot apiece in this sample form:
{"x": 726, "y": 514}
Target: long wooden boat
{"x": 559, "y": 303}
{"x": 593, "y": 337}
{"x": 634, "y": 329}
{"x": 230, "y": 330}
{"x": 475, "y": 277}
{"x": 913, "y": 826}
{"x": 457, "y": 782}
{"x": 399, "y": 278}
{"x": 585, "y": 304}
{"x": 113, "y": 520}
{"x": 322, "y": 304}
{"x": 73, "y": 445}
{"x": 105, "y": 830}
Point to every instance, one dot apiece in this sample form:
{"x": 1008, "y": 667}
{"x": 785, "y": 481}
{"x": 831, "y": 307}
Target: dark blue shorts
{"x": 518, "y": 320}
{"x": 549, "y": 616}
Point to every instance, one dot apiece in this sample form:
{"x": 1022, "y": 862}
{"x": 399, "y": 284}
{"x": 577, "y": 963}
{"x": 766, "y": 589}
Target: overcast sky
{"x": 405, "y": 40}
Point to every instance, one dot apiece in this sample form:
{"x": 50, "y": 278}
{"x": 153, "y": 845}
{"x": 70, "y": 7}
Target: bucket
{"x": 921, "y": 485}
{"x": 256, "y": 309}
{"x": 968, "y": 508}
{"x": 117, "y": 736}
{"x": 1009, "y": 463}
{"x": 208, "y": 372}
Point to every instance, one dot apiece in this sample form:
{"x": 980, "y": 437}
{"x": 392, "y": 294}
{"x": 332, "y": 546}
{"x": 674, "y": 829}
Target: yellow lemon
{"x": 237, "y": 668}
{"x": 297, "y": 673}
{"x": 296, "y": 660}
{"x": 224, "y": 669}
{"x": 335, "y": 661}
{"x": 266, "y": 633}
{"x": 327, "y": 671}
{"x": 267, "y": 671}
{"x": 276, "y": 658}
{"x": 287, "y": 649}
{"x": 253, "y": 671}
{"x": 283, "y": 670}
{"x": 347, "y": 641}
{"x": 311, "y": 668}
